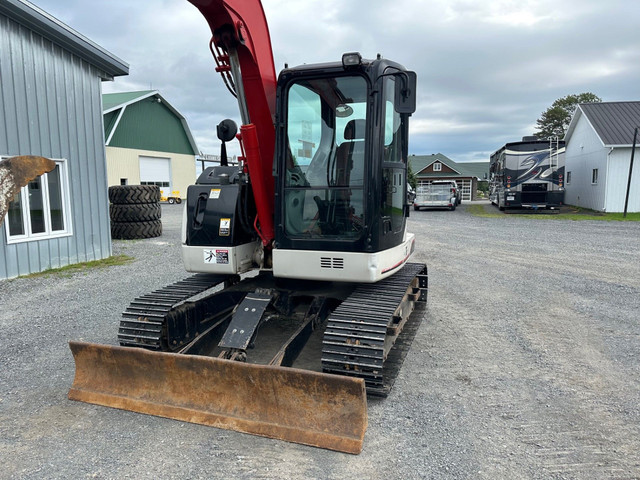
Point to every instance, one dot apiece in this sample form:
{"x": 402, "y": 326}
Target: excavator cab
{"x": 341, "y": 166}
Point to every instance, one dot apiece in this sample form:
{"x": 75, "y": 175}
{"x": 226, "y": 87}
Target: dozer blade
{"x": 311, "y": 408}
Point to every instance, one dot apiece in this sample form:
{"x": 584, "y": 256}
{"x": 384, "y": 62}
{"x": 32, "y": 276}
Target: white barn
{"x": 598, "y": 142}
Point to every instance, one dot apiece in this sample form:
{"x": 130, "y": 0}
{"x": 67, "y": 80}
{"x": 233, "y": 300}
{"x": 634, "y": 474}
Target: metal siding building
{"x": 148, "y": 141}
{"x": 50, "y": 105}
{"x": 150, "y": 125}
{"x": 599, "y": 139}
{"x": 124, "y": 163}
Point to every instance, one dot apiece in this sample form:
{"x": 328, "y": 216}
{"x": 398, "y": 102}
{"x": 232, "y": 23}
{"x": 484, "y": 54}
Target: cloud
{"x": 486, "y": 70}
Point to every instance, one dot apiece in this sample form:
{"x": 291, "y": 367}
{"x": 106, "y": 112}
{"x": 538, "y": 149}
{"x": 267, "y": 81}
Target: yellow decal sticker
{"x": 225, "y": 227}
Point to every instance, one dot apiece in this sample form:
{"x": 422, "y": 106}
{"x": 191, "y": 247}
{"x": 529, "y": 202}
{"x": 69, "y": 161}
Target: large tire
{"x": 135, "y": 212}
{"x": 128, "y": 194}
{"x": 133, "y": 230}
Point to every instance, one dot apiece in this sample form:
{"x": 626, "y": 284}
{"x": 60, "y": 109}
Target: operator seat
{"x": 350, "y": 155}
{"x": 338, "y": 215}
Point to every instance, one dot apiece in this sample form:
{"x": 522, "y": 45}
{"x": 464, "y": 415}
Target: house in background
{"x": 598, "y": 153}
{"x": 148, "y": 142}
{"x": 50, "y": 106}
{"x": 439, "y": 167}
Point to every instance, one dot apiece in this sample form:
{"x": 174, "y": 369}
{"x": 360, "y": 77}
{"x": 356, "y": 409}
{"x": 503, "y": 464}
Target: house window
{"x": 594, "y": 176}
{"x": 568, "y": 178}
{"x": 437, "y": 167}
{"x": 42, "y": 208}
{"x": 124, "y": 181}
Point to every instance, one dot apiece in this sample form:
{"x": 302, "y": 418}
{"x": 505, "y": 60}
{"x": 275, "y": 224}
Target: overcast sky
{"x": 486, "y": 69}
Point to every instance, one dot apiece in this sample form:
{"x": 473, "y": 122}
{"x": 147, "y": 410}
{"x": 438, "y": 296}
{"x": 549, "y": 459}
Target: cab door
{"x": 394, "y": 168}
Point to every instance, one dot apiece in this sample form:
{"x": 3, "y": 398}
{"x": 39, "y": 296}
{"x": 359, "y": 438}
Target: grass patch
{"x": 611, "y": 217}
{"x": 572, "y": 213}
{"x": 480, "y": 211}
{"x": 68, "y": 270}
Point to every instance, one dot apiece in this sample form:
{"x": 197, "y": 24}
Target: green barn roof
{"x": 111, "y": 100}
{"x": 145, "y": 120}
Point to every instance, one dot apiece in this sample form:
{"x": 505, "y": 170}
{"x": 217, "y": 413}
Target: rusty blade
{"x": 15, "y": 173}
{"x": 300, "y": 406}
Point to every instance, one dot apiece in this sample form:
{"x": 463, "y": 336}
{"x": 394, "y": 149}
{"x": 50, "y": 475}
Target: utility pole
{"x": 633, "y": 151}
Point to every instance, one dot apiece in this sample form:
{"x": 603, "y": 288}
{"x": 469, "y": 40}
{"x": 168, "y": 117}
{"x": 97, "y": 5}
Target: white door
{"x": 466, "y": 189}
{"x": 156, "y": 171}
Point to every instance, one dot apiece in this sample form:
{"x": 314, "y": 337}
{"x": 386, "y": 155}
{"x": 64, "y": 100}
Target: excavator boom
{"x": 241, "y": 35}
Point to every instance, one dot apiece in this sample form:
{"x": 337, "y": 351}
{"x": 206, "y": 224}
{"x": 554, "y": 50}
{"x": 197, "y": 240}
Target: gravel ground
{"x": 526, "y": 365}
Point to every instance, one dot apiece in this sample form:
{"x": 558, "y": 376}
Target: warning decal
{"x": 216, "y": 256}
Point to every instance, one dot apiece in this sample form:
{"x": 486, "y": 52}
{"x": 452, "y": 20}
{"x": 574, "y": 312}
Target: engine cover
{"x": 214, "y": 216}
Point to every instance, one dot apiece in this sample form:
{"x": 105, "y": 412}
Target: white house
{"x": 598, "y": 142}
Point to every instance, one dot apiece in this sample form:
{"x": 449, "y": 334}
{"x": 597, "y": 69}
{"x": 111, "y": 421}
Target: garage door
{"x": 156, "y": 171}
{"x": 466, "y": 189}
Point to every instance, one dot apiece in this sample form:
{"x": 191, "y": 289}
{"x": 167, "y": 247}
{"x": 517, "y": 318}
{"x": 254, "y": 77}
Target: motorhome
{"x": 528, "y": 174}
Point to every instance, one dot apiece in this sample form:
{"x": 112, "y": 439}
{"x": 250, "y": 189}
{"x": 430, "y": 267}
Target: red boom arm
{"x": 240, "y": 29}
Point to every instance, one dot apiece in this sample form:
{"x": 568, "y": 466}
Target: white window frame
{"x": 437, "y": 167}
{"x": 594, "y": 176}
{"x": 29, "y": 236}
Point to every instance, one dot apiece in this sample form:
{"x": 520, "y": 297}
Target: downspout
{"x": 606, "y": 181}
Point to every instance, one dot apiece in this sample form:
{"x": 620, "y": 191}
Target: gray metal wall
{"x": 51, "y": 105}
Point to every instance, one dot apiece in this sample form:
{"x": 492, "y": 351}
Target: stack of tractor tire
{"x": 135, "y": 211}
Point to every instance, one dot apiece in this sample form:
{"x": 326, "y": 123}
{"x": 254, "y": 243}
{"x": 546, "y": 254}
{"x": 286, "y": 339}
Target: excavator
{"x": 301, "y": 296}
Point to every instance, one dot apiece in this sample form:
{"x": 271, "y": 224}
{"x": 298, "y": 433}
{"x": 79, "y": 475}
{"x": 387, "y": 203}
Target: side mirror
{"x": 405, "y": 98}
{"x": 226, "y": 130}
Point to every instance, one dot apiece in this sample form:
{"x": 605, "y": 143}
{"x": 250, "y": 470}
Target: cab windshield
{"x": 324, "y": 184}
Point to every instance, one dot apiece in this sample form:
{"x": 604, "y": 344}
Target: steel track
{"x": 143, "y": 321}
{"x": 361, "y": 330}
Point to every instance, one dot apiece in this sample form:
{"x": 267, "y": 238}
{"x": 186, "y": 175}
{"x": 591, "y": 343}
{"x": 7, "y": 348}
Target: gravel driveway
{"x": 526, "y": 365}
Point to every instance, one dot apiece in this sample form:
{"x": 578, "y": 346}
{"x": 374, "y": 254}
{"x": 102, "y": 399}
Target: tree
{"x": 411, "y": 177}
{"x": 555, "y": 120}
